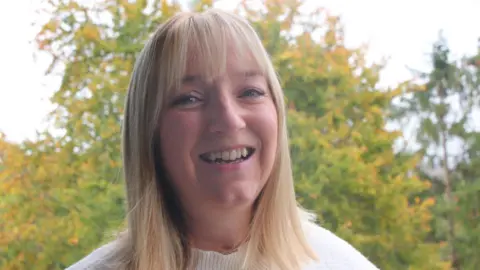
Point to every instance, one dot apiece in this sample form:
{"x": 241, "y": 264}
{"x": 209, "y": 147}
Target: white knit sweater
{"x": 334, "y": 254}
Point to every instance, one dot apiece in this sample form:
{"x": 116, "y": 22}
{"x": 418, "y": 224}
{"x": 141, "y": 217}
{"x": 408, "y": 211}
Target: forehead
{"x": 233, "y": 62}
{"x": 232, "y": 75}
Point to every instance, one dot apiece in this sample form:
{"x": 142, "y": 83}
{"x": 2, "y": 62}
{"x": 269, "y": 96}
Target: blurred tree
{"x": 444, "y": 103}
{"x": 361, "y": 190}
{"x": 468, "y": 173}
{"x": 53, "y": 205}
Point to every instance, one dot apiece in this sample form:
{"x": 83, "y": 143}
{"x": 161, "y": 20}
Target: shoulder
{"x": 333, "y": 252}
{"x": 96, "y": 260}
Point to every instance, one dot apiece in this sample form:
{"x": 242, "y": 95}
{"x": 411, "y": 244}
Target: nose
{"x": 225, "y": 116}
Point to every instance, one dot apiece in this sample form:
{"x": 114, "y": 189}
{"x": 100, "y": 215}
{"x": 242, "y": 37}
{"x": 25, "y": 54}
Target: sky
{"x": 401, "y": 31}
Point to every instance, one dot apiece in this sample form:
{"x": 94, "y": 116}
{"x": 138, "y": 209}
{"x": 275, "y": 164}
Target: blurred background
{"x": 384, "y": 119}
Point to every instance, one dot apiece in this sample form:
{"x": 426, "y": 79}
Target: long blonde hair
{"x": 155, "y": 238}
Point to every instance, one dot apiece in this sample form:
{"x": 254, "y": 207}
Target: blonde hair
{"x": 155, "y": 238}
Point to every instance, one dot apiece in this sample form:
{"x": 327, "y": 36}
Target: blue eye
{"x": 252, "y": 93}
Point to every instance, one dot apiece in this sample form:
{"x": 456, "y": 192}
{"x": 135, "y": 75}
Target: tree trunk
{"x": 450, "y": 203}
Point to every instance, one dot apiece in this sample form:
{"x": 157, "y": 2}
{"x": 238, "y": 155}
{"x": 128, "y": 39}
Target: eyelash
{"x": 259, "y": 93}
{"x": 186, "y": 100}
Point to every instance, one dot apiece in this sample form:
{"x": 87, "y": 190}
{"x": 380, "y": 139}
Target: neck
{"x": 220, "y": 230}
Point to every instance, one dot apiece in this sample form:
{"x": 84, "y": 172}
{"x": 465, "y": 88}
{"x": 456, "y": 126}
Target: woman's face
{"x": 218, "y": 138}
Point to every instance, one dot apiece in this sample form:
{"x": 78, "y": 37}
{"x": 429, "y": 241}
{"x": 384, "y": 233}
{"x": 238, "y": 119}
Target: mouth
{"x": 228, "y": 156}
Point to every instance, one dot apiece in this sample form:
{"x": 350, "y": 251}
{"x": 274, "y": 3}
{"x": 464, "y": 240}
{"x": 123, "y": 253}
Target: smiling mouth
{"x": 226, "y": 157}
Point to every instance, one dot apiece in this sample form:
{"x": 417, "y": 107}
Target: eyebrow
{"x": 251, "y": 73}
{"x": 246, "y": 74}
{"x": 190, "y": 78}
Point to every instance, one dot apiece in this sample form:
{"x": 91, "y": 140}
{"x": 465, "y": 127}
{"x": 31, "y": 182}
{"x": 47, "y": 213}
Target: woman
{"x": 207, "y": 166}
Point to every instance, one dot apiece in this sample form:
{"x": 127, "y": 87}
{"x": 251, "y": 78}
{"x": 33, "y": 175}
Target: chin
{"x": 244, "y": 196}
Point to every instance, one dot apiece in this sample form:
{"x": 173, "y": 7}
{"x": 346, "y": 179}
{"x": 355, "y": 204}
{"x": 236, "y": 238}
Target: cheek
{"x": 178, "y": 134}
{"x": 266, "y": 125}
{"x": 273, "y": 133}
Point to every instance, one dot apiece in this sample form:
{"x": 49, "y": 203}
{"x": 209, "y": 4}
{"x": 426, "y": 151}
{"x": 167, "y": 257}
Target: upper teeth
{"x": 228, "y": 155}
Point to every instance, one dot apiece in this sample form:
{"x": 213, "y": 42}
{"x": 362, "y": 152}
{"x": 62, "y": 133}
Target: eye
{"x": 186, "y": 101}
{"x": 252, "y": 93}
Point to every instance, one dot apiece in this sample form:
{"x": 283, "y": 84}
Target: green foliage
{"x": 312, "y": 60}
{"x": 53, "y": 206}
{"x": 445, "y": 103}
{"x": 359, "y": 191}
